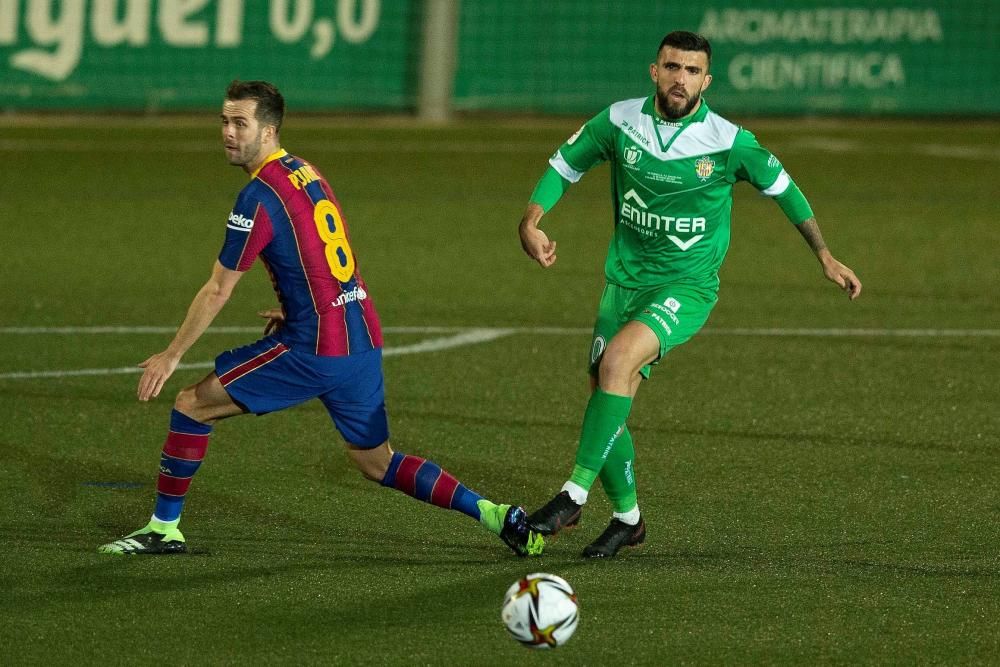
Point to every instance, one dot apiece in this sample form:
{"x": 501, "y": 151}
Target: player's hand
{"x": 275, "y": 319}
{"x": 843, "y": 276}
{"x": 537, "y": 245}
{"x": 157, "y": 370}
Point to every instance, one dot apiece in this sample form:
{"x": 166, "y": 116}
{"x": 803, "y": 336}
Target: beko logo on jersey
{"x": 239, "y": 222}
{"x": 356, "y": 294}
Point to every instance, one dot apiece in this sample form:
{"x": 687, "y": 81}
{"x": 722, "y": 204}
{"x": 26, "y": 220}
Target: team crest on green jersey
{"x": 704, "y": 167}
{"x": 632, "y": 155}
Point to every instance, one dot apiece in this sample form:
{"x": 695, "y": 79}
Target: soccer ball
{"x": 540, "y": 610}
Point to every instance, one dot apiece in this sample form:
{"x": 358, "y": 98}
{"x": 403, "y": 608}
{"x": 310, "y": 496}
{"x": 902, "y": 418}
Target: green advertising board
{"x": 180, "y": 54}
{"x": 770, "y": 56}
{"x": 565, "y": 56}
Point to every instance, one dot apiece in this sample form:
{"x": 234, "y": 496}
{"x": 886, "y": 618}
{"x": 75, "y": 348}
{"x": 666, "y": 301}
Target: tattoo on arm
{"x": 810, "y": 232}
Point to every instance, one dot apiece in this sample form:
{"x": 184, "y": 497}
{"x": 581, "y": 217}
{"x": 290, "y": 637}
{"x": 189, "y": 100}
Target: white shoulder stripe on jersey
{"x": 779, "y": 185}
{"x": 559, "y": 163}
{"x": 627, "y": 110}
{"x": 713, "y": 134}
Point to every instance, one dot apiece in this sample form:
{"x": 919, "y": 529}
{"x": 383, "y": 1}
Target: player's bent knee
{"x": 372, "y": 463}
{"x": 616, "y": 367}
{"x": 372, "y": 474}
{"x": 192, "y": 402}
{"x": 186, "y": 401}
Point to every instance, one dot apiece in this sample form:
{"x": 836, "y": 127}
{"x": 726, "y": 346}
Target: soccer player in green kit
{"x": 674, "y": 163}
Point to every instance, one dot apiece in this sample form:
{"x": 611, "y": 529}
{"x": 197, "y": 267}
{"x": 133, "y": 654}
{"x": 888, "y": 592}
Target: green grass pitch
{"x": 810, "y": 497}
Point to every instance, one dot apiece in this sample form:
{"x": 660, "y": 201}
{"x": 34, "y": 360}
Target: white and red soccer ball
{"x": 540, "y": 610}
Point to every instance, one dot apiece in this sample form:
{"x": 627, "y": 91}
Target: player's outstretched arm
{"x": 832, "y": 268}
{"x": 206, "y": 305}
{"x": 535, "y": 242}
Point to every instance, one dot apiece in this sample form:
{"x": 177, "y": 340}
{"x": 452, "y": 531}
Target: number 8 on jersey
{"x": 330, "y": 226}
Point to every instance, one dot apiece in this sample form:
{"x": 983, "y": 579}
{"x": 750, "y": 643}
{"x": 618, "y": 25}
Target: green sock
{"x": 618, "y": 474}
{"x": 603, "y": 423}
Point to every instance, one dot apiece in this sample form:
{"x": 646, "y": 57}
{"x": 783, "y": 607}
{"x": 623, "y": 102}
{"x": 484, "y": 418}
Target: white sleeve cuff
{"x": 559, "y": 163}
{"x": 780, "y": 185}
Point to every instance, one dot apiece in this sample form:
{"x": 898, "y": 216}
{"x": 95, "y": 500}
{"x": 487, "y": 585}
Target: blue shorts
{"x": 268, "y": 376}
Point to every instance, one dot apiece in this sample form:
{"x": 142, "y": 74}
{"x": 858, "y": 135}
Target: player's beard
{"x": 248, "y": 153}
{"x": 673, "y": 111}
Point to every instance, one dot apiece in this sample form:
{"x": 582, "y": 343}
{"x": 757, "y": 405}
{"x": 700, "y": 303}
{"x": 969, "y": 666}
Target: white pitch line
{"x": 82, "y": 372}
{"x": 839, "y": 145}
{"x": 470, "y": 337}
{"x": 125, "y": 330}
{"x": 550, "y": 331}
{"x": 128, "y": 330}
{"x": 462, "y": 336}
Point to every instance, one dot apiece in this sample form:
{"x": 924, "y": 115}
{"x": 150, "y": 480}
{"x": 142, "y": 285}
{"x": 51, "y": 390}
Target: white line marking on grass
{"x": 463, "y": 336}
{"x": 504, "y": 331}
{"x": 837, "y": 145}
{"x": 82, "y": 372}
{"x": 469, "y": 337}
{"x": 68, "y": 331}
{"x": 128, "y": 330}
{"x": 816, "y": 333}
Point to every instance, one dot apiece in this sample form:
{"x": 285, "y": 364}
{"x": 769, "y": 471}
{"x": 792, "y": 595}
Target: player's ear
{"x": 652, "y": 71}
{"x": 706, "y": 83}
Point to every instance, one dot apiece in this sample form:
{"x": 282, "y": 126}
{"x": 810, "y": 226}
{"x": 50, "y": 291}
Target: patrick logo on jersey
{"x": 635, "y": 215}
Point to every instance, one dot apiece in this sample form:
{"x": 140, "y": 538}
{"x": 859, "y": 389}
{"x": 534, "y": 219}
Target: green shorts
{"x": 673, "y": 312}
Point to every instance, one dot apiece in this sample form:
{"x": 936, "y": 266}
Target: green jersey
{"x": 671, "y": 187}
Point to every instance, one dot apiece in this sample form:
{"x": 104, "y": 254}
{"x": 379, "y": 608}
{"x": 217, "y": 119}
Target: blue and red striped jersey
{"x": 289, "y": 217}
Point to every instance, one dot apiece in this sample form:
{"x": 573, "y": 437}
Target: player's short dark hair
{"x": 270, "y": 103}
{"x": 687, "y": 41}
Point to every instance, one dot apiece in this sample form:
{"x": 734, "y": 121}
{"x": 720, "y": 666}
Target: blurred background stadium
{"x": 433, "y": 56}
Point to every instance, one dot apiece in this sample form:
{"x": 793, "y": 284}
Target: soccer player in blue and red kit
{"x": 324, "y": 341}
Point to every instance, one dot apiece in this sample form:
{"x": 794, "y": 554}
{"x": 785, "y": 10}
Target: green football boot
{"x": 153, "y": 539}
{"x": 618, "y": 534}
{"x": 510, "y": 523}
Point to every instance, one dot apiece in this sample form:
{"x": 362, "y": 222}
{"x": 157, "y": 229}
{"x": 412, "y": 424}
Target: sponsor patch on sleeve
{"x": 239, "y": 222}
